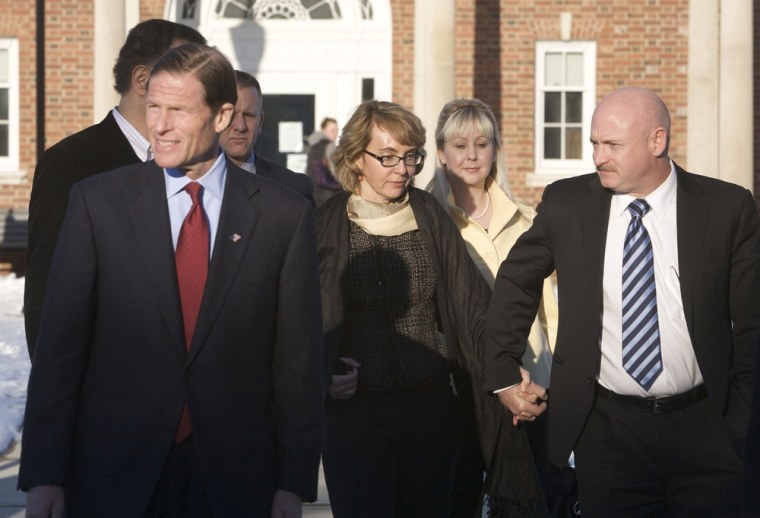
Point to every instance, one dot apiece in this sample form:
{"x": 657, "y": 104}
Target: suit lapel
{"x": 691, "y": 221}
{"x": 595, "y": 212}
{"x": 150, "y": 216}
{"x": 237, "y": 222}
{"x": 263, "y": 167}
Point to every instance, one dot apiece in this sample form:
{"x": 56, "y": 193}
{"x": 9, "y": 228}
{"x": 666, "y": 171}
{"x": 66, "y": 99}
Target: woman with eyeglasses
{"x": 398, "y": 293}
{"x": 404, "y": 320}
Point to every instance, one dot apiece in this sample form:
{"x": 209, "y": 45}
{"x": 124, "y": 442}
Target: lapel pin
{"x": 235, "y": 238}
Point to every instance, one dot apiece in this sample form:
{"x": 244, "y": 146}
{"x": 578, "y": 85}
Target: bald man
{"x": 658, "y": 309}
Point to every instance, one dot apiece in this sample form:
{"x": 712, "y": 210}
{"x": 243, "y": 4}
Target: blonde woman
{"x": 471, "y": 181}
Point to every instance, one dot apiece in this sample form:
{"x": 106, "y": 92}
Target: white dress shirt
{"x": 140, "y": 144}
{"x": 680, "y": 370}
{"x": 250, "y": 163}
{"x": 180, "y": 203}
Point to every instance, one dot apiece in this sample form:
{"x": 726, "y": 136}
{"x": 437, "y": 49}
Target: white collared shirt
{"x": 140, "y": 144}
{"x": 681, "y": 372}
{"x": 180, "y": 203}
{"x": 250, "y": 163}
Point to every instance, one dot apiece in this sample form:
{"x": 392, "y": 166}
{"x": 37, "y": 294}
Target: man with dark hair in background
{"x": 119, "y": 139}
{"x": 240, "y": 138}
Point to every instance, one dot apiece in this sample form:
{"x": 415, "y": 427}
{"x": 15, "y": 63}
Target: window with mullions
{"x": 9, "y": 162}
{"x": 565, "y": 96}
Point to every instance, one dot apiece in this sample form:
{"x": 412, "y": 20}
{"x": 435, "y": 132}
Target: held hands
{"x": 526, "y": 400}
{"x": 45, "y": 502}
{"x": 343, "y": 386}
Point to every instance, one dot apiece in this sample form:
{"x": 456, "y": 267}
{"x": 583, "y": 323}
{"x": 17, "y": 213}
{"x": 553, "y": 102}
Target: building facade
{"x": 540, "y": 64}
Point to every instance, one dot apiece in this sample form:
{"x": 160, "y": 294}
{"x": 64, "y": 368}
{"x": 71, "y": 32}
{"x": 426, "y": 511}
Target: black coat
{"x": 96, "y": 149}
{"x": 462, "y": 297}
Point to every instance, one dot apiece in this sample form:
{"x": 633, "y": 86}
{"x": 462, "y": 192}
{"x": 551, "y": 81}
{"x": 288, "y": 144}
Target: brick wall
{"x": 150, "y": 9}
{"x": 69, "y": 53}
{"x": 18, "y": 21}
{"x": 402, "y": 12}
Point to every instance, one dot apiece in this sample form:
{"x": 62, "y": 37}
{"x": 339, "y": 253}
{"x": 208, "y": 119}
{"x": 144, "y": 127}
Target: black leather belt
{"x": 657, "y": 405}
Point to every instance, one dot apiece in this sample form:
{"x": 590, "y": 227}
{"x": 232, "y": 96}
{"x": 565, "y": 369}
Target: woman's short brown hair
{"x": 400, "y": 122}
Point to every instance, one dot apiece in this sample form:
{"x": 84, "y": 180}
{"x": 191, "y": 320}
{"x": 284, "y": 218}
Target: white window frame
{"x": 9, "y": 165}
{"x": 549, "y": 170}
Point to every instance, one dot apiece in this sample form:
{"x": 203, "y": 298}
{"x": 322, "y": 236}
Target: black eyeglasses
{"x": 413, "y": 158}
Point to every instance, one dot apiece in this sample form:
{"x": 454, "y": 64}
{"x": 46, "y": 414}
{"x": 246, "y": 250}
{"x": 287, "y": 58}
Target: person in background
{"x": 403, "y": 313}
{"x": 178, "y": 370}
{"x": 658, "y": 274}
{"x": 239, "y": 139}
{"x": 121, "y": 138}
{"x": 319, "y": 167}
{"x": 471, "y": 183}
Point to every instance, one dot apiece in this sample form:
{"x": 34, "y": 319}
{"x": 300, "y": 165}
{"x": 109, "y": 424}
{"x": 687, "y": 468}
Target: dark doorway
{"x": 283, "y": 108}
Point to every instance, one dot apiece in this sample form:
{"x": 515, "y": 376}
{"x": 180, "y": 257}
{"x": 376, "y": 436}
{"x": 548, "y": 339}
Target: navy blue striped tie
{"x": 641, "y": 333}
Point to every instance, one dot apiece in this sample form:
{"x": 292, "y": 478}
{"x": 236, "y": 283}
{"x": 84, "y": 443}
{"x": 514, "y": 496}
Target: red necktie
{"x": 191, "y": 258}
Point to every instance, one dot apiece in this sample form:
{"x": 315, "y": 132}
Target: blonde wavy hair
{"x": 400, "y": 122}
{"x": 456, "y": 119}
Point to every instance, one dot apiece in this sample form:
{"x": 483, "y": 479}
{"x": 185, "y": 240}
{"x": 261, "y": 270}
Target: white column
{"x": 433, "y": 70}
{"x": 736, "y": 125}
{"x": 703, "y": 88}
{"x": 113, "y": 19}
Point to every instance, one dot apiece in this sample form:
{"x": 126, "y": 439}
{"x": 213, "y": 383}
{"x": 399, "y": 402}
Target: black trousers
{"x": 632, "y": 462}
{"x": 391, "y": 453}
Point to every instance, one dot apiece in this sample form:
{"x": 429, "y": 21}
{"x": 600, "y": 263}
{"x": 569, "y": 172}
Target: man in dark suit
{"x": 240, "y": 138}
{"x": 658, "y": 309}
{"x": 119, "y": 139}
{"x": 165, "y": 383}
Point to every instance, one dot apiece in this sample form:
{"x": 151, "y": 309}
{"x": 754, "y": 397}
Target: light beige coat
{"x": 489, "y": 248}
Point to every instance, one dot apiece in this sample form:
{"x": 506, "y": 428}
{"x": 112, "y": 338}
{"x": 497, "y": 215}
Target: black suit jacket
{"x": 718, "y": 254}
{"x": 298, "y": 182}
{"x": 99, "y": 148}
{"x": 752, "y": 451}
{"x": 111, "y": 375}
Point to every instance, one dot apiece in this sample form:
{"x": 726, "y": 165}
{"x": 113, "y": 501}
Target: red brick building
{"x": 519, "y": 56}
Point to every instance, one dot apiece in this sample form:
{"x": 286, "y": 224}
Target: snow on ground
{"x": 14, "y": 360}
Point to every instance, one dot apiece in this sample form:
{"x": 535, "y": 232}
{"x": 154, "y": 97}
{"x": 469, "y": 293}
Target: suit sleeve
{"x": 60, "y": 360}
{"x": 297, "y": 367}
{"x": 47, "y": 206}
{"x": 744, "y": 308}
{"x": 515, "y": 301}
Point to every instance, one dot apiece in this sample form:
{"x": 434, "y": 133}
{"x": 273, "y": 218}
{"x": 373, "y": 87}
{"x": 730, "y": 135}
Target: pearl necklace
{"x": 488, "y": 205}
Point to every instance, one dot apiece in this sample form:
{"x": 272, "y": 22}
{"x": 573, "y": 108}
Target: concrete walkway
{"x": 12, "y": 502}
